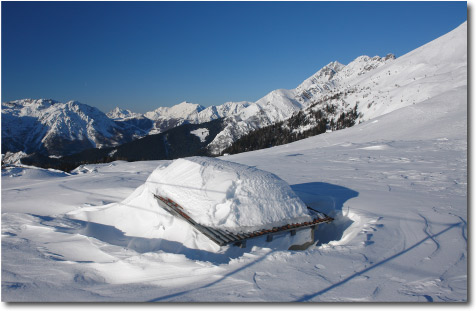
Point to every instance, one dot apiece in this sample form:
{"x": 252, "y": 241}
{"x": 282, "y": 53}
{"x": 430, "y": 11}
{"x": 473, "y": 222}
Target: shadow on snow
{"x": 114, "y": 236}
{"x": 324, "y": 197}
{"x": 329, "y": 199}
{"x": 380, "y": 263}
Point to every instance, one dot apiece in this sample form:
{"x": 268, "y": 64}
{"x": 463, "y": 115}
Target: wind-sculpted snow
{"x": 397, "y": 186}
{"x": 219, "y": 193}
{"x": 215, "y": 193}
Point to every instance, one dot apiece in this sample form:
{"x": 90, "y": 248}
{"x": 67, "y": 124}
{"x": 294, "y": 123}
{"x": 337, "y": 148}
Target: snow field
{"x": 399, "y": 234}
{"x": 396, "y": 185}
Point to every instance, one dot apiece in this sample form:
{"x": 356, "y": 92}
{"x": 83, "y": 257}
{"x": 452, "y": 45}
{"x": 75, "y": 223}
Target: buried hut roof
{"x": 214, "y": 194}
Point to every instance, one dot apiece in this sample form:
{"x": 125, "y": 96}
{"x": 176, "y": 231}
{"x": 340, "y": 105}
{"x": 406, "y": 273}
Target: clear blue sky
{"x": 142, "y": 55}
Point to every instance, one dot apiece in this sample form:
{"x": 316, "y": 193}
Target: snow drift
{"x": 402, "y": 178}
{"x": 215, "y": 193}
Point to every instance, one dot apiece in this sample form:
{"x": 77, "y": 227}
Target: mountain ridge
{"x": 372, "y": 86}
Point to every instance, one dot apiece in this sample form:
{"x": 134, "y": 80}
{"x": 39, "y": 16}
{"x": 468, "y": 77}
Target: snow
{"x": 13, "y": 157}
{"x": 31, "y": 125}
{"x": 201, "y": 133}
{"x": 396, "y": 186}
{"x": 215, "y": 193}
{"x": 376, "y": 85}
{"x": 280, "y": 104}
{"x": 122, "y": 114}
{"x": 184, "y": 110}
{"x": 223, "y": 194}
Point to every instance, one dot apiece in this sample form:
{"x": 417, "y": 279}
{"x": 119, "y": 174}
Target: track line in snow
{"x": 254, "y": 280}
{"x": 464, "y": 228}
{"x": 376, "y": 265}
{"x": 428, "y": 233}
{"x": 224, "y": 277}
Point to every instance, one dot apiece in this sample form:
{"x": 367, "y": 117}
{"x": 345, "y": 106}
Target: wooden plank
{"x": 210, "y": 235}
{"x": 230, "y": 237}
{"x": 219, "y": 235}
{"x": 224, "y": 237}
{"x": 188, "y": 219}
{"x": 242, "y": 236}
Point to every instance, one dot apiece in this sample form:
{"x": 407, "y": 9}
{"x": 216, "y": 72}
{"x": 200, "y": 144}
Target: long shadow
{"x": 382, "y": 262}
{"x": 224, "y": 277}
{"x": 329, "y": 199}
{"x": 324, "y": 196}
{"x": 114, "y": 236}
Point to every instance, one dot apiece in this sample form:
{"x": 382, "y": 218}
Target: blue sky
{"x": 142, "y": 55}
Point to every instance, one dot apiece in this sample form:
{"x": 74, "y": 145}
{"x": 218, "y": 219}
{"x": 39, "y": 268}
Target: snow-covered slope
{"x": 278, "y": 105}
{"x": 56, "y": 128}
{"x": 13, "y": 158}
{"x": 165, "y": 118}
{"x": 221, "y": 111}
{"x": 120, "y": 114}
{"x": 396, "y": 186}
{"x": 376, "y": 85}
{"x": 423, "y": 73}
{"x": 281, "y": 104}
{"x": 184, "y": 110}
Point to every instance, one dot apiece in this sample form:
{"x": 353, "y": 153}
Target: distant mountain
{"x": 181, "y": 141}
{"x": 339, "y": 95}
{"x": 56, "y": 129}
{"x": 120, "y": 114}
{"x": 165, "y": 118}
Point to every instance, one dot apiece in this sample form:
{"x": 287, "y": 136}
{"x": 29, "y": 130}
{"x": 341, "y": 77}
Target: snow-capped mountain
{"x": 222, "y": 111}
{"x": 120, "y": 114}
{"x": 370, "y": 86}
{"x": 244, "y": 117}
{"x": 281, "y": 104}
{"x": 165, "y": 118}
{"x": 55, "y": 128}
{"x": 184, "y": 110}
{"x": 396, "y": 187}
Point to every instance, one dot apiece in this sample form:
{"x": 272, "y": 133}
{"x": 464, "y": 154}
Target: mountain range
{"x": 361, "y": 90}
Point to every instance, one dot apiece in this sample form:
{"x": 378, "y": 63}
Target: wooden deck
{"x": 224, "y": 237}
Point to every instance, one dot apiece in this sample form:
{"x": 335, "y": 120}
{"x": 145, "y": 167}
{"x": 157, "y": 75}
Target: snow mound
{"x": 220, "y": 193}
{"x": 215, "y": 193}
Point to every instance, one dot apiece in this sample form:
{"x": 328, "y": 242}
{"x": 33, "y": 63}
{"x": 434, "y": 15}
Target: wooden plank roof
{"x": 224, "y": 237}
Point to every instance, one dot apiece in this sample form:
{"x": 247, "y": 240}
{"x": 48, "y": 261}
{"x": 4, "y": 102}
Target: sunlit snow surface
{"x": 398, "y": 196}
{"x": 215, "y": 193}
{"x": 396, "y": 186}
